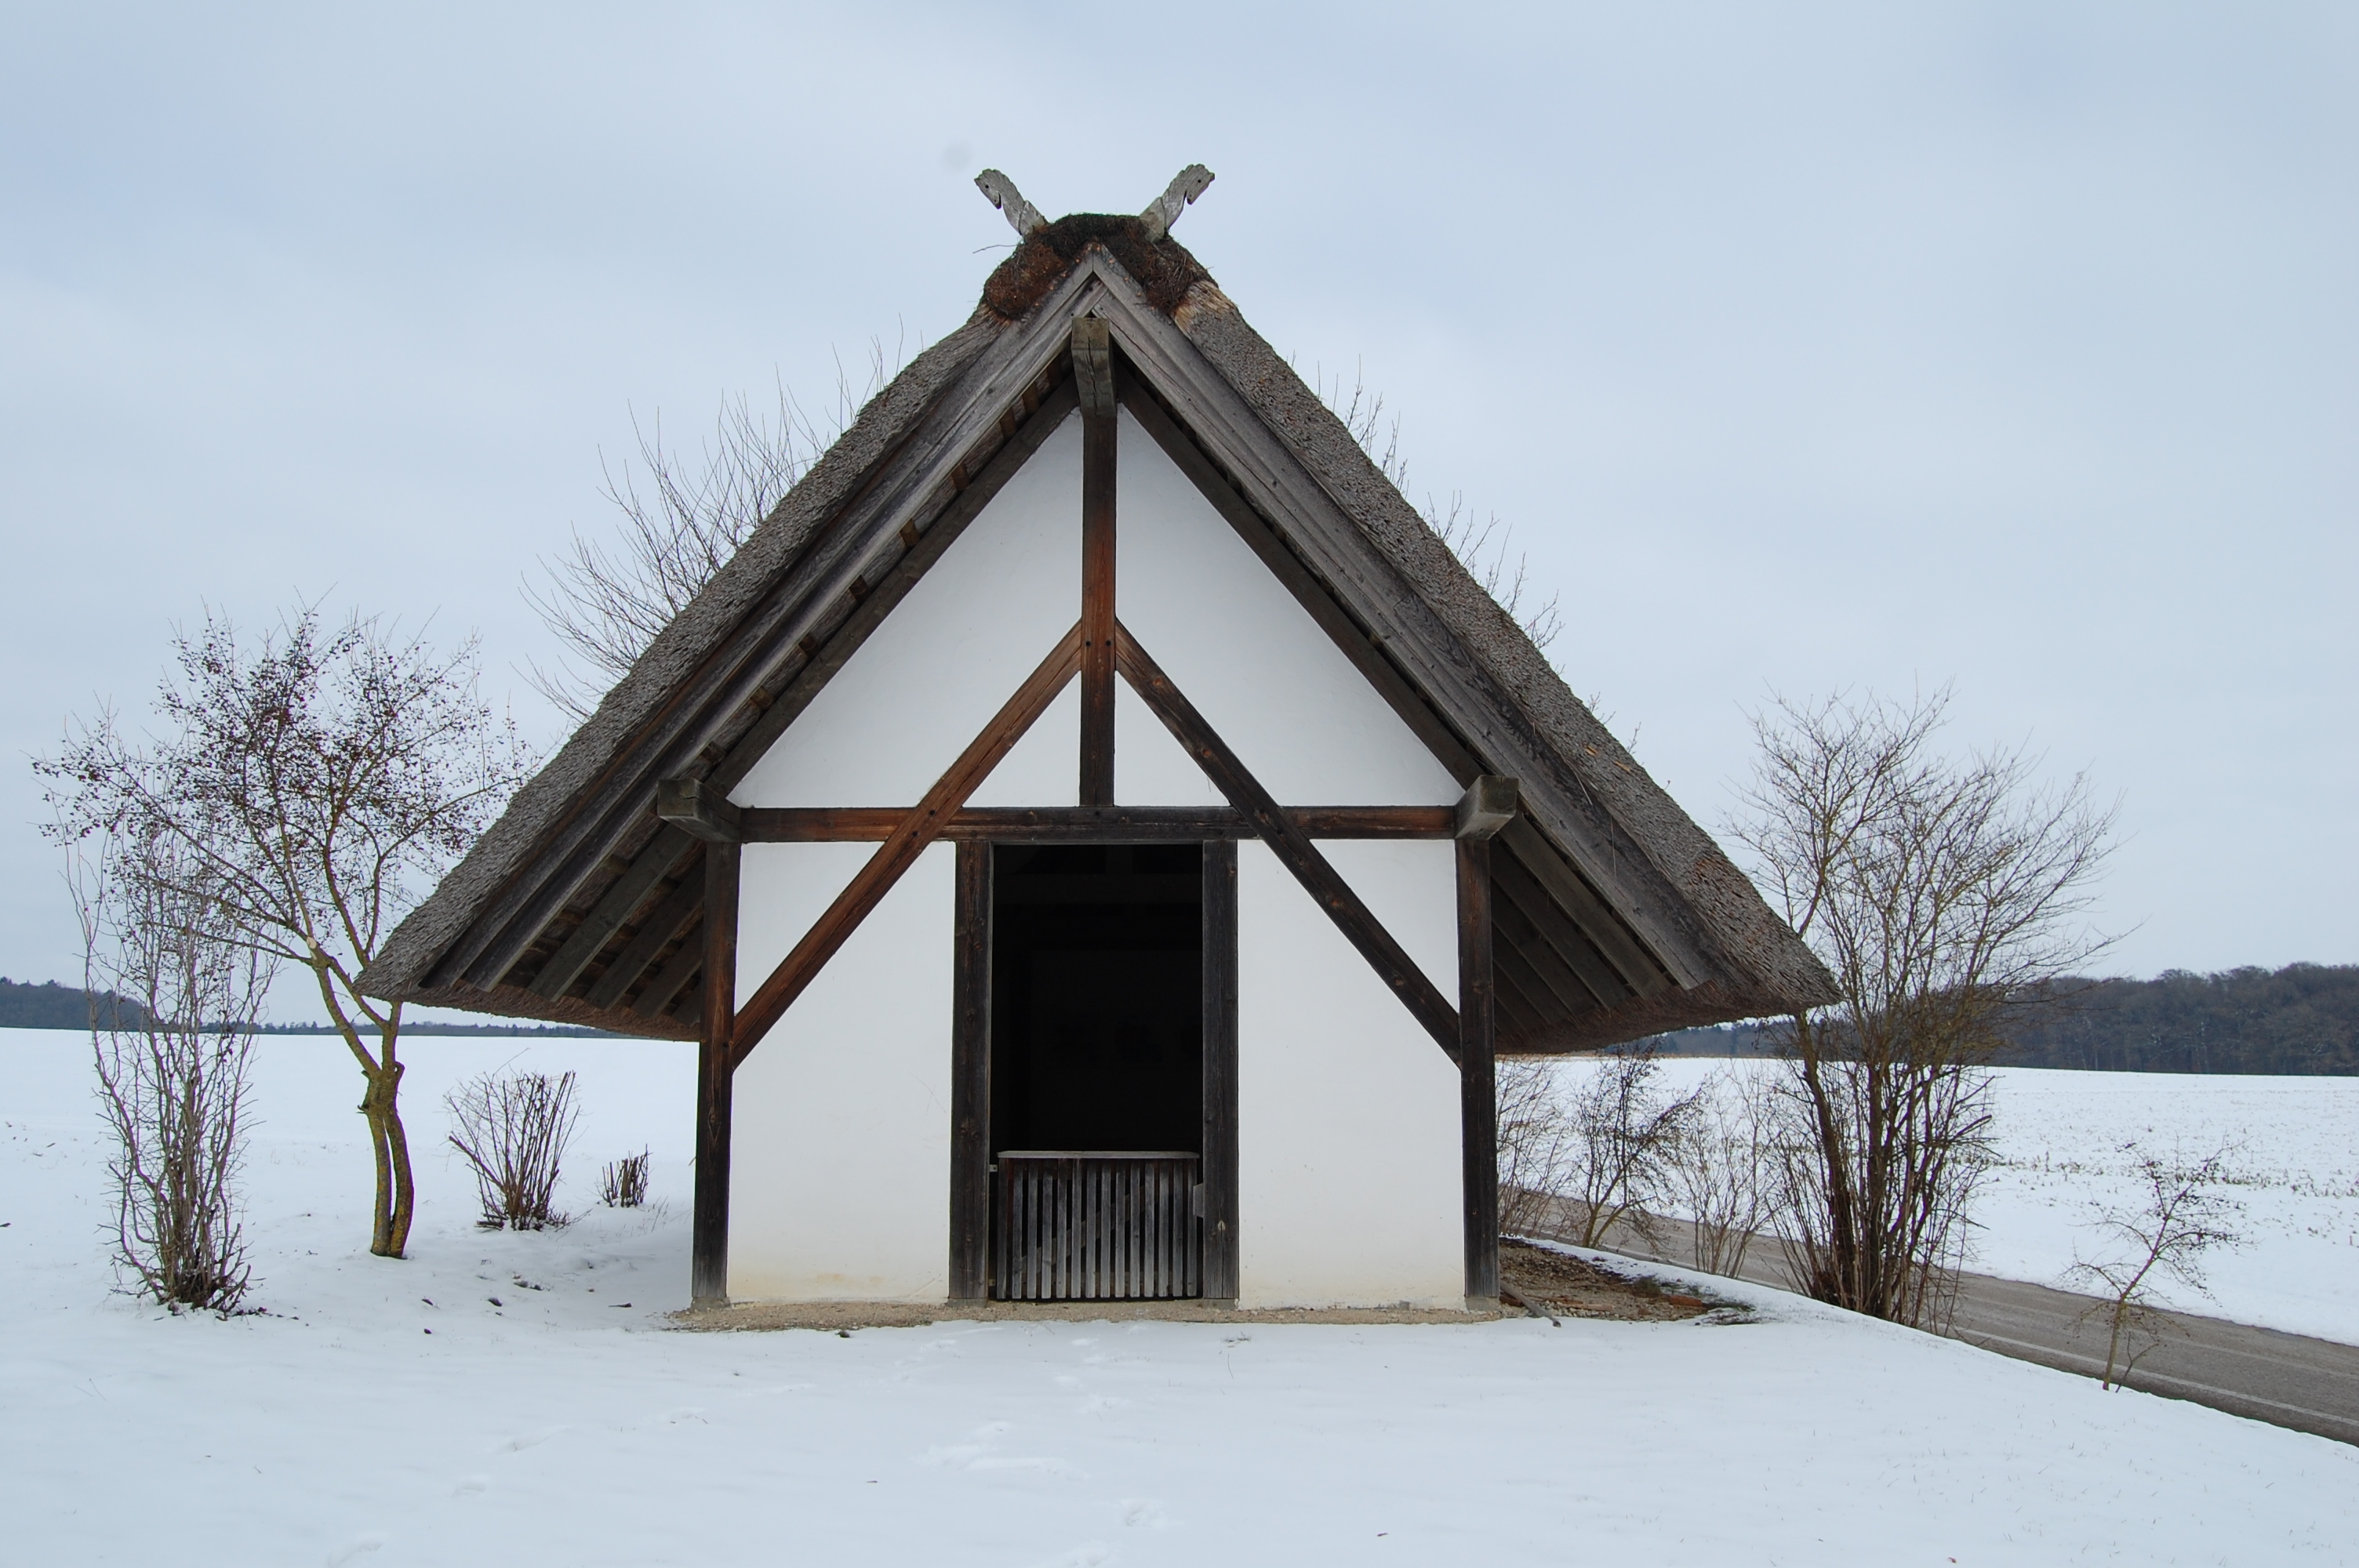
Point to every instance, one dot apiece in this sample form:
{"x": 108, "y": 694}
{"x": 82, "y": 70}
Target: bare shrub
{"x": 1538, "y": 1146}
{"x": 623, "y": 1182}
{"x": 1944, "y": 895}
{"x": 309, "y": 783}
{"x": 1579, "y": 1164}
{"x": 1628, "y": 1131}
{"x": 172, "y": 1066}
{"x": 2181, "y": 1220}
{"x": 513, "y": 1132}
{"x": 1720, "y": 1162}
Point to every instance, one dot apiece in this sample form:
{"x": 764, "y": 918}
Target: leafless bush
{"x": 2181, "y": 1220}
{"x": 1944, "y": 895}
{"x": 623, "y": 1182}
{"x": 1720, "y": 1162}
{"x": 1538, "y": 1146}
{"x": 308, "y": 785}
{"x": 1627, "y": 1132}
{"x": 514, "y": 1130}
{"x": 1577, "y": 1164}
{"x": 172, "y": 1066}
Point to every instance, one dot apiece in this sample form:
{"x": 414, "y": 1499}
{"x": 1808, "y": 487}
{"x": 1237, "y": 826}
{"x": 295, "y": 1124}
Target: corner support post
{"x": 1478, "y": 1087}
{"x": 708, "y": 1232}
{"x": 1219, "y": 1166}
{"x": 970, "y": 1075}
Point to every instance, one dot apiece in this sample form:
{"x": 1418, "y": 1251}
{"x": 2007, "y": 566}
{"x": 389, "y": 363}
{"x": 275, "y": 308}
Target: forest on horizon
{"x": 2301, "y": 1019}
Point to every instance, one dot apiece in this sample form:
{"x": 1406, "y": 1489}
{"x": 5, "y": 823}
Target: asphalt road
{"x": 2309, "y": 1385}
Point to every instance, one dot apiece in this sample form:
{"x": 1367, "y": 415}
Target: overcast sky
{"x": 1803, "y": 347}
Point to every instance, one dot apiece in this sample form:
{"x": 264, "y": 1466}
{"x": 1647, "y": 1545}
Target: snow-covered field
{"x": 518, "y": 1399}
{"x": 2294, "y": 1161}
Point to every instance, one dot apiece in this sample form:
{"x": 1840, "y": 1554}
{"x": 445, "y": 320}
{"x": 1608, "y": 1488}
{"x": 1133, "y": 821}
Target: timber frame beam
{"x": 1092, "y": 824}
{"x": 1293, "y": 847}
{"x": 899, "y": 851}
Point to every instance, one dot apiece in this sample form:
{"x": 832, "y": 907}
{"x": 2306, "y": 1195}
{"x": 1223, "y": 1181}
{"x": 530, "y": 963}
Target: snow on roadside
{"x": 2060, "y": 1136}
{"x": 396, "y": 1414}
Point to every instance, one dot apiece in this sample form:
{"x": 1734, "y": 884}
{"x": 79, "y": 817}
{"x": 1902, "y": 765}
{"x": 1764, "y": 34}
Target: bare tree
{"x": 2181, "y": 1220}
{"x": 606, "y": 600}
{"x": 173, "y": 1064}
{"x": 307, "y": 784}
{"x": 1944, "y": 894}
{"x": 513, "y": 1130}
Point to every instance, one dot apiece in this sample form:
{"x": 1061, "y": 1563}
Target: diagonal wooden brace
{"x": 924, "y": 823}
{"x": 1293, "y": 847}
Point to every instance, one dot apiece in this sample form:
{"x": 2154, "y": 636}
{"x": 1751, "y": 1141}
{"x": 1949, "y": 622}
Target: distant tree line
{"x": 2301, "y": 1019}
{"x": 52, "y": 1006}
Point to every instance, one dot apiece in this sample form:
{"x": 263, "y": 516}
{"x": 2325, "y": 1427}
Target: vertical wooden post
{"x": 709, "y": 1232}
{"x": 970, "y": 1273}
{"x": 1219, "y": 1165}
{"x": 1094, "y": 370}
{"x": 1478, "y": 1088}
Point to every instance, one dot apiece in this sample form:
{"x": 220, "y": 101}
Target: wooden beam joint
{"x": 689, "y": 805}
{"x": 1488, "y": 804}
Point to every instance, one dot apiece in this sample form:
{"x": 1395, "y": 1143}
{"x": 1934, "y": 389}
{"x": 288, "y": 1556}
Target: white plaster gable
{"x": 949, "y": 656}
{"x": 1251, "y": 659}
{"x": 1044, "y": 768}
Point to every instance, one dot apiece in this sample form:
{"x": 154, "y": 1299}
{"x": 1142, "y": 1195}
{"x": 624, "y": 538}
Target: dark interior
{"x": 1097, "y": 997}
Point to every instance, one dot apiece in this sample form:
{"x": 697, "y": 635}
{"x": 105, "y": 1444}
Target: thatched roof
{"x": 580, "y": 905}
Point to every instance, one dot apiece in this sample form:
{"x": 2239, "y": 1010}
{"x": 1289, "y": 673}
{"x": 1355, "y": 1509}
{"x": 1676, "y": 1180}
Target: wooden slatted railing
{"x": 1084, "y": 1226}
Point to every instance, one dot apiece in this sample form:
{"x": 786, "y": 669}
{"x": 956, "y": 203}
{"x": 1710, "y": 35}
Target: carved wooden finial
{"x": 1164, "y": 209}
{"x": 1022, "y": 216}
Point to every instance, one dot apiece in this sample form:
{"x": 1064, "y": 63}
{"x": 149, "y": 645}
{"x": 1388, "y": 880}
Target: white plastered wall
{"x": 839, "y": 1136}
{"x": 1347, "y": 1114}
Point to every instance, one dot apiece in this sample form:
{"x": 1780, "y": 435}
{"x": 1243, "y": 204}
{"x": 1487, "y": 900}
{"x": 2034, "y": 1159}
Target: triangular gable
{"x": 1621, "y": 917}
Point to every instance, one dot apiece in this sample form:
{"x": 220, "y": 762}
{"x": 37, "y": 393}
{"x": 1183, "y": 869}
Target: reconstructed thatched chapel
{"x": 1100, "y": 838}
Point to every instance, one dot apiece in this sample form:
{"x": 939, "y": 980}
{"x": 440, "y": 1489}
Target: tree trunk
{"x": 395, "y": 1193}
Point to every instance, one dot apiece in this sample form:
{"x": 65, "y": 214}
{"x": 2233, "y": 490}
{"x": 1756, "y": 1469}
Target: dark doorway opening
{"x": 1097, "y": 1035}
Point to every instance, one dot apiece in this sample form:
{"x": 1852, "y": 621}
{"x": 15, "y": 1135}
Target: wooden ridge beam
{"x": 919, "y": 828}
{"x": 1293, "y": 847}
{"x": 1108, "y": 823}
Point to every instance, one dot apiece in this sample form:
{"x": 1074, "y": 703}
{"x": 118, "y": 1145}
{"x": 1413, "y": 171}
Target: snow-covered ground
{"x": 2294, "y": 1159}
{"x": 518, "y": 1399}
